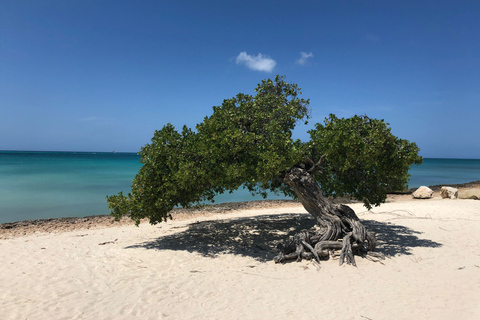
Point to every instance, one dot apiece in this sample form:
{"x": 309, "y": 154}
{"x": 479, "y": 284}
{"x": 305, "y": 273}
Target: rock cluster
{"x": 447, "y": 193}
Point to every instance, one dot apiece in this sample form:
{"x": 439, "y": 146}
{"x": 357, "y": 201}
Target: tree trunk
{"x": 336, "y": 221}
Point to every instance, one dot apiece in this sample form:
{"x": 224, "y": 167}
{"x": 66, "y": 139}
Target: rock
{"x": 469, "y": 194}
{"x": 449, "y": 192}
{"x": 423, "y": 193}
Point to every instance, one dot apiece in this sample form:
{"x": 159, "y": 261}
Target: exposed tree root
{"x": 340, "y": 228}
{"x": 306, "y": 245}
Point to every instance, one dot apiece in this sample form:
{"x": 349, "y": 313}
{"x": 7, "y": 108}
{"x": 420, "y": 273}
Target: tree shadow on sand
{"x": 258, "y": 236}
{"x": 394, "y": 239}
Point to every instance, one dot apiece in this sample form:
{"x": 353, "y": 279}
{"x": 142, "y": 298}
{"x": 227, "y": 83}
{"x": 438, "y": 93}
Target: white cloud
{"x": 257, "y": 63}
{"x": 304, "y": 56}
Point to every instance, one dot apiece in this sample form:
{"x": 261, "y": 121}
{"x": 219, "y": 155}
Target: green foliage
{"x": 247, "y": 141}
{"x": 363, "y": 158}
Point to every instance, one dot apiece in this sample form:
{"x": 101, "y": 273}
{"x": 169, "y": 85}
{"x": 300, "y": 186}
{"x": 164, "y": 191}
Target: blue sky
{"x": 103, "y": 75}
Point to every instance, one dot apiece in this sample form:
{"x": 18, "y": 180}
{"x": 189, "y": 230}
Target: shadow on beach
{"x": 395, "y": 240}
{"x": 257, "y": 237}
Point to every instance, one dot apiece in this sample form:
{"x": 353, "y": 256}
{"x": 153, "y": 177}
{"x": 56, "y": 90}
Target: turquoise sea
{"x": 41, "y": 185}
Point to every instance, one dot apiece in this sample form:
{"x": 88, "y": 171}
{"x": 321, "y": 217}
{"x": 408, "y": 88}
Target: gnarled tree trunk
{"x": 336, "y": 221}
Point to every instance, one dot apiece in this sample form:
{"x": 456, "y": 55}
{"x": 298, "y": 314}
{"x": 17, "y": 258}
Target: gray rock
{"x": 469, "y": 194}
{"x": 449, "y": 192}
{"x": 423, "y": 193}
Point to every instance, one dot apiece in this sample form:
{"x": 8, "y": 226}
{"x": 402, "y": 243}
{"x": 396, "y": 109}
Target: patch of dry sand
{"x": 218, "y": 265}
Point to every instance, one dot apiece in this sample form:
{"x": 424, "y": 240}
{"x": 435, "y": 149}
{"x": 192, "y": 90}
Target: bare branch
{"x": 319, "y": 163}
{"x": 316, "y": 166}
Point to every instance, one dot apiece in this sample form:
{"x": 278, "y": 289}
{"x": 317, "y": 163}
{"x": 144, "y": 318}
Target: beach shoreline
{"x": 26, "y": 227}
{"x": 218, "y": 265}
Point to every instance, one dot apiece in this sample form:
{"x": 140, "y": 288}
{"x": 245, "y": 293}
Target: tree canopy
{"x": 247, "y": 141}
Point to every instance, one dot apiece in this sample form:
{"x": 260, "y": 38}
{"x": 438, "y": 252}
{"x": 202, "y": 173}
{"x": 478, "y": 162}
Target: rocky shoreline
{"x": 468, "y": 185}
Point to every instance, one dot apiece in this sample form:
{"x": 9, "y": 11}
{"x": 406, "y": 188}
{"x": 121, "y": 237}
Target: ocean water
{"x": 41, "y": 185}
{"x": 435, "y": 171}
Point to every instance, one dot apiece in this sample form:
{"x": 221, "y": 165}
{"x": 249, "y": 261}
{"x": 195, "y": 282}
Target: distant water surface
{"x": 38, "y": 185}
{"x": 41, "y": 185}
{"x": 435, "y": 171}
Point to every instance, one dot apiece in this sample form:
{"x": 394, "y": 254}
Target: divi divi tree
{"x": 247, "y": 142}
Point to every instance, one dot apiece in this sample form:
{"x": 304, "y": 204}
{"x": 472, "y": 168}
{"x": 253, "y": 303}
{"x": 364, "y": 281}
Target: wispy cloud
{"x": 370, "y": 37}
{"x": 95, "y": 120}
{"x": 258, "y": 63}
{"x": 90, "y": 119}
{"x": 304, "y": 56}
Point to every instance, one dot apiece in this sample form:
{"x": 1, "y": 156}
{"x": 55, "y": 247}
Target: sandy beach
{"x": 218, "y": 265}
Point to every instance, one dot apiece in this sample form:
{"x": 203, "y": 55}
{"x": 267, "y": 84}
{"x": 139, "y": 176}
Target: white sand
{"x": 171, "y": 271}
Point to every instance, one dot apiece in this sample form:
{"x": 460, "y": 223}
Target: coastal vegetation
{"x": 247, "y": 142}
